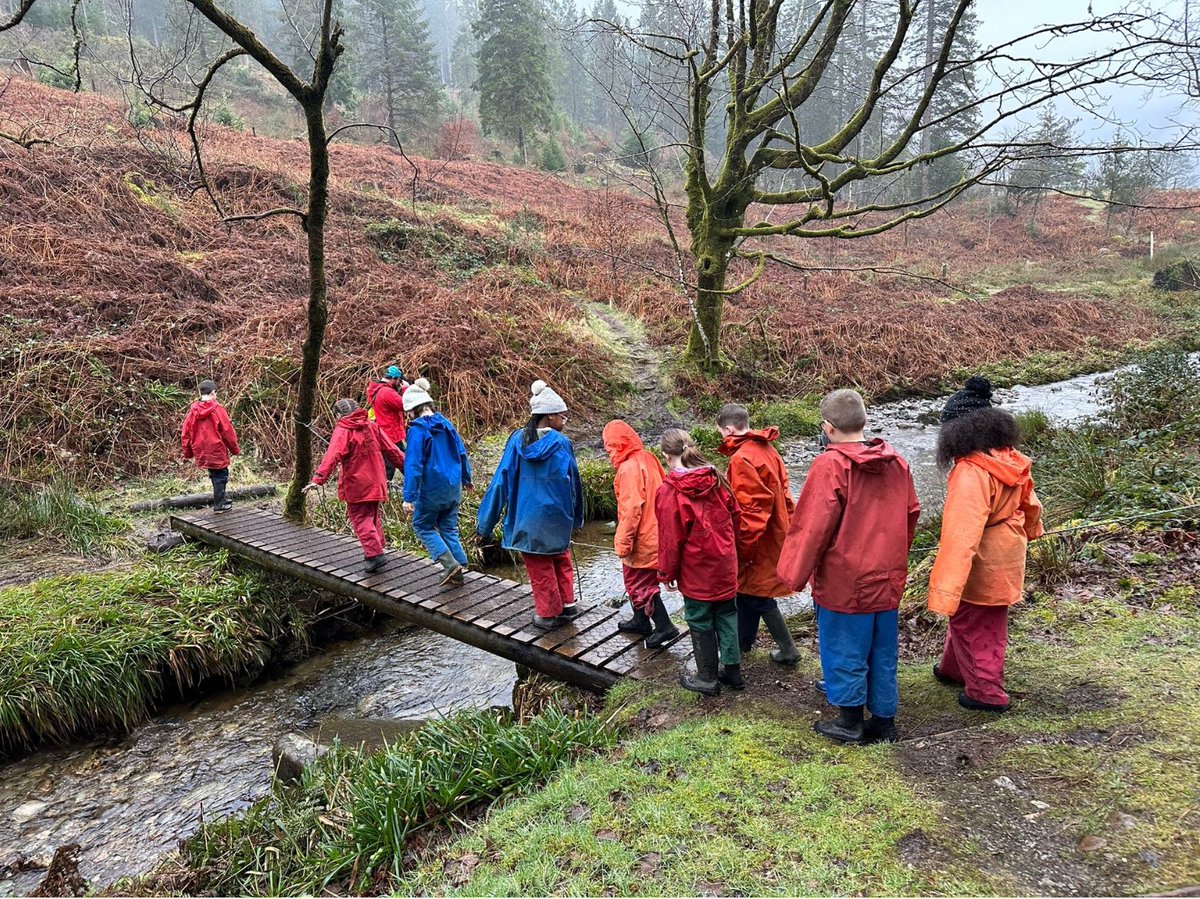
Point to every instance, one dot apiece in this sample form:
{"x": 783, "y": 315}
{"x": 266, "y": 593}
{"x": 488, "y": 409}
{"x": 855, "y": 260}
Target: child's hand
{"x": 308, "y": 487}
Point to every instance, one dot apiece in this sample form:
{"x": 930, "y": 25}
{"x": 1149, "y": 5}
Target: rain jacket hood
{"x": 1007, "y": 466}
{"x": 695, "y": 483}
{"x": 435, "y": 463}
{"x": 638, "y": 476}
{"x": 759, "y": 482}
{"x": 697, "y": 534}
{"x": 208, "y": 435}
{"x": 538, "y": 492}
{"x": 873, "y": 457}
{"x": 355, "y": 445}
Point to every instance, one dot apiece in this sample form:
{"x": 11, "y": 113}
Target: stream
{"x": 128, "y": 801}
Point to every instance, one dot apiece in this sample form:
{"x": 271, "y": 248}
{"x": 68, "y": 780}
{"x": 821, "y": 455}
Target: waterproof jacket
{"x": 387, "y": 407}
{"x": 208, "y": 435}
{"x": 435, "y": 463}
{"x": 638, "y": 477}
{"x": 355, "y": 445}
{"x": 538, "y": 491}
{"x": 760, "y": 485}
{"x": 852, "y": 528}
{"x": 991, "y": 514}
{"x": 697, "y": 534}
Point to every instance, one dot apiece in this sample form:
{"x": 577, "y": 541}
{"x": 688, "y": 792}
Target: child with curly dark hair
{"x": 991, "y": 514}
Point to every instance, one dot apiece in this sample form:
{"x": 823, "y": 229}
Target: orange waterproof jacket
{"x": 760, "y": 485}
{"x": 991, "y": 514}
{"x": 639, "y": 475}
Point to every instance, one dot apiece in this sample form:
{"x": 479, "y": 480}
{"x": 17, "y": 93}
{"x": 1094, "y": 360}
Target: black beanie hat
{"x": 975, "y": 395}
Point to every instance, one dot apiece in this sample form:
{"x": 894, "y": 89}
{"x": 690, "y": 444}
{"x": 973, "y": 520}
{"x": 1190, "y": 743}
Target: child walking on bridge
{"x": 358, "y": 448}
{"x": 209, "y": 438}
{"x": 697, "y": 552}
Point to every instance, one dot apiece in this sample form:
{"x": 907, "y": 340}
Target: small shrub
{"x": 599, "y": 501}
{"x": 56, "y": 511}
{"x": 140, "y": 116}
{"x": 224, "y": 115}
{"x": 1162, "y": 388}
{"x": 794, "y": 418}
{"x": 1034, "y": 425}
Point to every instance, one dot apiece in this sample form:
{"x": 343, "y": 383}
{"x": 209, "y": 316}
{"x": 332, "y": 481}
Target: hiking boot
{"x": 731, "y": 676}
{"x": 664, "y": 629}
{"x": 945, "y": 679}
{"x": 223, "y": 506}
{"x": 638, "y": 624}
{"x": 569, "y": 611}
{"x": 704, "y": 648}
{"x": 848, "y": 728}
{"x": 976, "y": 706}
{"x": 544, "y": 624}
{"x": 787, "y": 653}
{"x": 375, "y": 563}
{"x": 879, "y": 729}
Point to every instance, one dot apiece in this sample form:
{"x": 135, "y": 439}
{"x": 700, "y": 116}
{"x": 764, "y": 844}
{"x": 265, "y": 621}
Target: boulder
{"x": 292, "y": 752}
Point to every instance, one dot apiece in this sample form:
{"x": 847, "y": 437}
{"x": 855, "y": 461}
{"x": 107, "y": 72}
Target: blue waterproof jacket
{"x": 435, "y": 463}
{"x": 538, "y": 491}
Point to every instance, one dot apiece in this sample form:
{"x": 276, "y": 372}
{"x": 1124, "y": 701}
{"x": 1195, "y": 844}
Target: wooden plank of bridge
{"x": 485, "y": 611}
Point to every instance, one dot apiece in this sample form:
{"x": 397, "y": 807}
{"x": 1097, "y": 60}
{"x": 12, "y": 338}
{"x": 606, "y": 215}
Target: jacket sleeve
{"x": 756, "y": 502}
{"x": 817, "y": 518}
{"x": 339, "y": 442}
{"x": 629, "y": 486}
{"x": 914, "y": 508}
{"x": 968, "y": 505}
{"x": 494, "y": 501}
{"x": 1032, "y": 507}
{"x": 228, "y": 434}
{"x": 185, "y": 436}
{"x": 577, "y": 489}
{"x": 390, "y": 451}
{"x": 462, "y": 458}
{"x": 671, "y": 535}
{"x": 414, "y": 462}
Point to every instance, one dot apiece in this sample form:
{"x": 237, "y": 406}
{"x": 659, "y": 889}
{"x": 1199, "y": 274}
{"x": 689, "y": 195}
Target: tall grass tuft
{"x": 96, "y": 652}
{"x": 346, "y": 825}
{"x": 55, "y": 510}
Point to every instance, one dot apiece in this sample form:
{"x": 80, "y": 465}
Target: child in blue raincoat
{"x": 537, "y": 490}
{"x": 436, "y": 470}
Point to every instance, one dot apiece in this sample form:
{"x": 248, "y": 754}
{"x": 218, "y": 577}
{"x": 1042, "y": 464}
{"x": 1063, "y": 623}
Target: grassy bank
{"x": 100, "y": 651}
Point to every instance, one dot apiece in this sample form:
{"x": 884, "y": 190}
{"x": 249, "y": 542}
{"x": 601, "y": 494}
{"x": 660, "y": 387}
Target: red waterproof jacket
{"x": 355, "y": 446}
{"x": 388, "y": 405}
{"x": 697, "y": 534}
{"x": 760, "y": 485}
{"x": 208, "y": 435}
{"x": 852, "y": 528}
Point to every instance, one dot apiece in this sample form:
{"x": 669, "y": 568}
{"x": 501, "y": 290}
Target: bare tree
{"x": 745, "y": 74}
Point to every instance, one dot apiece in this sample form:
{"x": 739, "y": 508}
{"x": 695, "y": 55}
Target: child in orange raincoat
{"x": 638, "y": 477}
{"x": 990, "y": 516}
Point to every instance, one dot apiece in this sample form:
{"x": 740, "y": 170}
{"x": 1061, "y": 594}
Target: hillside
{"x": 124, "y": 288}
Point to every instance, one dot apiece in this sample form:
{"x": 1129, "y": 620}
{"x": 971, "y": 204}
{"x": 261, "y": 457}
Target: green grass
{"x": 348, "y": 823}
{"x": 55, "y": 511}
{"x": 99, "y": 651}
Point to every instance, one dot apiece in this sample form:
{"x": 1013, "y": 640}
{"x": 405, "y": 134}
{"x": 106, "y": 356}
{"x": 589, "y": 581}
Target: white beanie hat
{"x": 544, "y": 401}
{"x": 416, "y": 394}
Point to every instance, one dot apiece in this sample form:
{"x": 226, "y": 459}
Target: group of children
{"x": 731, "y": 543}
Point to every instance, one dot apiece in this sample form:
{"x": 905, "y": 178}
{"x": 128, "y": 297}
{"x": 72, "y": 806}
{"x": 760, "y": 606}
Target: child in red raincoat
{"x": 209, "y": 438}
{"x": 359, "y": 448}
{"x": 991, "y": 514}
{"x": 697, "y": 553}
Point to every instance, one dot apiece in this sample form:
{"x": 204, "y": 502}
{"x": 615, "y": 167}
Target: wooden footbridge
{"x": 485, "y": 611}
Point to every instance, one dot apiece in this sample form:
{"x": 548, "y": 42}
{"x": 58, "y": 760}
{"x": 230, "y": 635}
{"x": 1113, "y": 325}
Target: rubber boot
{"x": 376, "y": 563}
{"x": 704, "y": 648}
{"x": 664, "y": 629}
{"x": 879, "y": 730}
{"x": 638, "y": 624}
{"x": 545, "y": 624}
{"x": 848, "y": 728}
{"x": 787, "y": 653}
{"x": 976, "y": 706}
{"x": 945, "y": 678}
{"x": 731, "y": 676}
{"x": 454, "y": 571}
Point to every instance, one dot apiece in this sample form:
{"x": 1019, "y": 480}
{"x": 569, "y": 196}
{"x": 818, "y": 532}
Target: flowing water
{"x": 128, "y": 801}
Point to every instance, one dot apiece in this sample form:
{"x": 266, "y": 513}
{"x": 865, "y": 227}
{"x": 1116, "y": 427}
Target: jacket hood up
{"x": 204, "y": 408}
{"x": 872, "y": 457}
{"x": 730, "y": 444}
{"x": 544, "y": 447}
{"x": 1008, "y": 466}
{"x": 694, "y": 482}
{"x": 355, "y": 421}
{"x": 620, "y": 442}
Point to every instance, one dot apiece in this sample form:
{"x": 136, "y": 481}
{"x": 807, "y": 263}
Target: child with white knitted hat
{"x": 538, "y": 491}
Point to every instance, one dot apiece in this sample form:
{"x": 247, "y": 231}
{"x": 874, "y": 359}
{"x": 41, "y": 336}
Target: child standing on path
{"x": 638, "y": 477}
{"x": 538, "y": 491}
{"x": 359, "y": 448}
{"x": 209, "y": 438}
{"x": 850, "y": 534}
{"x": 435, "y": 472}
{"x": 760, "y": 485}
{"x": 697, "y": 552}
{"x": 385, "y": 400}
{"x": 990, "y": 516}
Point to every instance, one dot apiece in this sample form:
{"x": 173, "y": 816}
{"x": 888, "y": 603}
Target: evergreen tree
{"x": 1045, "y": 167}
{"x": 552, "y": 159}
{"x": 515, "y": 97}
{"x": 397, "y": 62}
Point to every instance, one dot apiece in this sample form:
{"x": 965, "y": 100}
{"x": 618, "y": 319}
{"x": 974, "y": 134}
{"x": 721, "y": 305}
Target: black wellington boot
{"x": 664, "y": 629}
{"x": 731, "y": 676}
{"x": 879, "y": 730}
{"x": 638, "y": 624}
{"x": 976, "y": 706}
{"x": 787, "y": 653}
{"x": 704, "y": 648}
{"x": 848, "y": 728}
{"x": 376, "y": 563}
